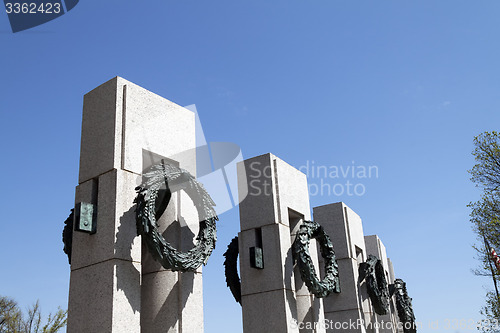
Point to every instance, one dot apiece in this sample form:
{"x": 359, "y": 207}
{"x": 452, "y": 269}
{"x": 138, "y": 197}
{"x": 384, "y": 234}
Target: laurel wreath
{"x": 403, "y": 305}
{"x": 373, "y": 271}
{"x": 331, "y": 283}
{"x": 150, "y": 207}
{"x": 67, "y": 235}
{"x": 231, "y": 269}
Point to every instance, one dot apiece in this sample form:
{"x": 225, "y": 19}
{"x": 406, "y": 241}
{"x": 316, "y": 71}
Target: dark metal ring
{"x": 373, "y": 271}
{"x": 231, "y": 269}
{"x": 150, "y": 207}
{"x": 331, "y": 283}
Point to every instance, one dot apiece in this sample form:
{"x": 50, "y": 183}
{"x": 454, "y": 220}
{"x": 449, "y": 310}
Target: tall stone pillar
{"x": 394, "y": 311}
{"x": 274, "y": 298}
{"x": 115, "y": 286}
{"x": 351, "y": 305}
{"x": 375, "y": 247}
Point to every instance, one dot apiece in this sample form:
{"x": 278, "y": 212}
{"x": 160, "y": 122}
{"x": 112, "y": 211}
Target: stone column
{"x": 351, "y": 305}
{"x": 375, "y": 247}
{"x": 274, "y": 298}
{"x": 394, "y": 311}
{"x": 123, "y": 126}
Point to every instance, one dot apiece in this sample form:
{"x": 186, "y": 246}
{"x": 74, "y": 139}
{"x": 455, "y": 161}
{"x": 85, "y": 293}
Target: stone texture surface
{"x": 191, "y": 293}
{"x": 345, "y": 322}
{"x": 278, "y": 261}
{"x": 116, "y": 235}
{"x": 292, "y": 191}
{"x": 160, "y": 295}
{"x": 172, "y": 302}
{"x": 120, "y": 119}
{"x": 104, "y": 297}
{"x": 154, "y": 123}
{"x": 376, "y": 247}
{"x": 259, "y": 206}
{"x": 276, "y": 203}
{"x": 100, "y": 149}
{"x": 269, "y": 312}
{"x": 343, "y": 226}
{"x": 310, "y": 313}
{"x": 127, "y": 296}
{"x": 349, "y": 297}
{"x": 125, "y": 128}
{"x": 391, "y": 271}
{"x": 351, "y": 247}
{"x": 127, "y": 243}
{"x": 345, "y": 229}
{"x": 116, "y": 243}
{"x": 91, "y": 299}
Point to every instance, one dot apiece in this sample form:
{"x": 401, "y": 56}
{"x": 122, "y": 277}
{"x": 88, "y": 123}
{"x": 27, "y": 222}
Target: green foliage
{"x": 485, "y": 213}
{"x": 13, "y": 320}
{"x": 485, "y": 218}
{"x": 491, "y": 312}
{"x": 486, "y": 172}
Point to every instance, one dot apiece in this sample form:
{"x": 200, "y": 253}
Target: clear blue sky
{"x": 401, "y": 85}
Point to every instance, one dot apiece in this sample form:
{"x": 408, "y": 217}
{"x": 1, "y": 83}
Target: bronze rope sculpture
{"x": 150, "y": 208}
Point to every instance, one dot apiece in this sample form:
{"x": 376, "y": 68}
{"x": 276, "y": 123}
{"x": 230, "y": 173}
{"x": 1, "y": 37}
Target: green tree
{"x": 13, "y": 320}
{"x": 485, "y": 214}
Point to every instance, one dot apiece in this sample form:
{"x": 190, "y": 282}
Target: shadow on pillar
{"x": 313, "y": 312}
{"x": 164, "y": 316}
{"x": 290, "y": 299}
{"x": 126, "y": 272}
{"x": 167, "y": 292}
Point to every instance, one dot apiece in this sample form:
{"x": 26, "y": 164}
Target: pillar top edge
{"x": 332, "y": 204}
{"x": 271, "y": 157}
{"x": 119, "y": 81}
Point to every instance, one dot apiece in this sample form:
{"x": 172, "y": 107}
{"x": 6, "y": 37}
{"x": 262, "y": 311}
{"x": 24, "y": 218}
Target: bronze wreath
{"x": 150, "y": 207}
{"x": 67, "y": 235}
{"x": 231, "y": 269}
{"x": 331, "y": 283}
{"x": 373, "y": 271}
{"x": 403, "y": 304}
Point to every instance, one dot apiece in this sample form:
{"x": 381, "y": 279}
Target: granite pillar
{"x": 274, "y": 298}
{"x": 115, "y": 286}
